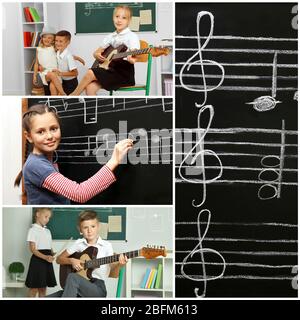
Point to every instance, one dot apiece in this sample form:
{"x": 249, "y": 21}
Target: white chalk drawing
{"x": 202, "y": 153}
{"x": 154, "y": 146}
{"x": 189, "y": 63}
{"x": 270, "y": 163}
{"x": 89, "y": 7}
{"x": 199, "y": 249}
{"x": 238, "y": 244}
{"x": 277, "y": 156}
{"x": 260, "y": 104}
{"x": 91, "y": 108}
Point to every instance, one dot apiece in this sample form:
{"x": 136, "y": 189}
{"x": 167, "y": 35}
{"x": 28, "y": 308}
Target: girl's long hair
{"x": 26, "y": 123}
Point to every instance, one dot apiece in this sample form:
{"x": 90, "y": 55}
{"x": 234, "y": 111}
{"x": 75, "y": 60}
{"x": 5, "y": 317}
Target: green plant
{"x": 16, "y": 267}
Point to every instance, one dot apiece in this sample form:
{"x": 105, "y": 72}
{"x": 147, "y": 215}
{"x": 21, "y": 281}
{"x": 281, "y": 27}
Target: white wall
{"x": 144, "y": 225}
{"x": 12, "y": 44}
{"x": 11, "y": 131}
{"x": 15, "y": 224}
{"x": 62, "y": 16}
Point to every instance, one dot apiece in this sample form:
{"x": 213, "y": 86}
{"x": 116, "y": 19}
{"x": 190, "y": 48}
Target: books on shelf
{"x": 159, "y": 276}
{"x": 31, "y": 67}
{"x": 31, "y": 14}
{"x": 27, "y": 14}
{"x": 152, "y": 278}
{"x": 31, "y": 39}
{"x": 143, "y": 284}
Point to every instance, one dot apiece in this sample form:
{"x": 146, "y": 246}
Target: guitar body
{"x": 90, "y": 261}
{"x": 108, "y": 53}
{"x": 88, "y": 254}
{"x": 114, "y": 54}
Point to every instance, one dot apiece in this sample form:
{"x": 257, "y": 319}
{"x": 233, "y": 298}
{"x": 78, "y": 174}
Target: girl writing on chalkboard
{"x": 42, "y": 181}
{"x": 121, "y": 72}
{"x": 40, "y": 272}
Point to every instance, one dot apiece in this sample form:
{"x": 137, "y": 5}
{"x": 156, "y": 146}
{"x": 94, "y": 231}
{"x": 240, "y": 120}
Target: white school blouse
{"x": 126, "y": 36}
{"x": 104, "y": 249}
{"x": 41, "y": 236}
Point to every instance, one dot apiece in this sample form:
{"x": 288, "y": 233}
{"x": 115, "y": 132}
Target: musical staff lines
{"x": 274, "y": 157}
{"x": 254, "y": 64}
{"x": 247, "y": 260}
{"x": 89, "y": 109}
{"x": 152, "y": 145}
{"x": 236, "y": 152}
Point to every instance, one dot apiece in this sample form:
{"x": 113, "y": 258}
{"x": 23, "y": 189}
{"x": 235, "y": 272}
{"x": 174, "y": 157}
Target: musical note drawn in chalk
{"x": 201, "y": 154}
{"x": 92, "y": 146}
{"x": 88, "y": 117}
{"x": 276, "y": 168}
{"x": 188, "y": 64}
{"x": 199, "y": 249}
{"x": 47, "y": 103}
{"x": 266, "y": 103}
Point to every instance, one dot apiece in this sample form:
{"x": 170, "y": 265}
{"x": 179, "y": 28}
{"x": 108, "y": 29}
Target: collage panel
{"x": 150, "y": 152}
{"x": 57, "y": 253}
{"x": 97, "y": 48}
{"x": 62, "y": 152}
{"x": 90, "y": 150}
{"x": 236, "y": 150}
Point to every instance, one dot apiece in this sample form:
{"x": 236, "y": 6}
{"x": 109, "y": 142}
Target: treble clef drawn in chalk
{"x": 199, "y": 249}
{"x": 201, "y": 153}
{"x": 188, "y": 64}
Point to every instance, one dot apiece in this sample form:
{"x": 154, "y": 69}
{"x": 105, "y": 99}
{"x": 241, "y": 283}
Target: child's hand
{"x": 50, "y": 259}
{"x": 76, "y": 264}
{"x": 81, "y": 61}
{"x": 98, "y": 55}
{"x": 122, "y": 259}
{"x": 41, "y": 68}
{"x": 58, "y": 72}
{"x": 120, "y": 150}
{"x": 131, "y": 59}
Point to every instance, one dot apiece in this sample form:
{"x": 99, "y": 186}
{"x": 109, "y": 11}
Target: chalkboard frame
{"x": 108, "y": 27}
{"x": 60, "y": 214}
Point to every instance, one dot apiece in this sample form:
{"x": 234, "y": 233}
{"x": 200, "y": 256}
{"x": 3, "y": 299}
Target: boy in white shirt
{"x": 76, "y": 284}
{"x": 67, "y": 68}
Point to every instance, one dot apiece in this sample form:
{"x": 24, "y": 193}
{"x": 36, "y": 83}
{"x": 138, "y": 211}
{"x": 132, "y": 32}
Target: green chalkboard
{"x": 96, "y": 17}
{"x": 63, "y": 223}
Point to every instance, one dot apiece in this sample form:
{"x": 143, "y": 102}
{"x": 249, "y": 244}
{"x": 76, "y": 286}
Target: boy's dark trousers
{"x": 77, "y": 285}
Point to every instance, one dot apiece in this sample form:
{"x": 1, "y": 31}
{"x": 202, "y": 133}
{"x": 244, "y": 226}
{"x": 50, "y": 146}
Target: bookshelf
{"x": 165, "y": 65}
{"x": 29, "y": 51}
{"x": 135, "y": 272}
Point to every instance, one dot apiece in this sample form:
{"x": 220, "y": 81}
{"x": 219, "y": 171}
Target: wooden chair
{"x": 141, "y": 58}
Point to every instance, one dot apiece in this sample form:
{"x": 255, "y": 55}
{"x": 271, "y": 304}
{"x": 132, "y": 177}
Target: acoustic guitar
{"x": 112, "y": 54}
{"x": 89, "y": 261}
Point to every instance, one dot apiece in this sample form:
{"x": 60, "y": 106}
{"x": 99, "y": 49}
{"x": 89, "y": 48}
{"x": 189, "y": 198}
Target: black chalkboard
{"x": 231, "y": 241}
{"x": 145, "y": 181}
{"x": 96, "y": 17}
{"x": 63, "y": 223}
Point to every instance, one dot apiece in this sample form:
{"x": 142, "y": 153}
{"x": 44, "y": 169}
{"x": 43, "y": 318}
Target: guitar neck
{"x": 131, "y": 53}
{"x": 96, "y": 263}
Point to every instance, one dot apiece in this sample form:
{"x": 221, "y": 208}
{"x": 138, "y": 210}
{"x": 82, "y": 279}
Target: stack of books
{"x": 31, "y": 39}
{"x": 31, "y": 14}
{"x": 152, "y": 278}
